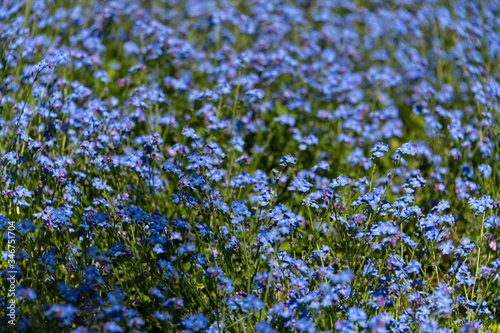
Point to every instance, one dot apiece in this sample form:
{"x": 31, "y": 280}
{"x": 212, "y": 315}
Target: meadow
{"x": 250, "y": 166}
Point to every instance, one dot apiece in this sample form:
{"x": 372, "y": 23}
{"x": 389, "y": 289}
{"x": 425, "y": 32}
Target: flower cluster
{"x": 252, "y": 166}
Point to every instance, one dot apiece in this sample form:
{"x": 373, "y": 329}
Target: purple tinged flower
{"x": 455, "y": 153}
{"x": 243, "y": 160}
{"x": 12, "y": 158}
{"x": 63, "y": 312}
{"x": 214, "y": 271}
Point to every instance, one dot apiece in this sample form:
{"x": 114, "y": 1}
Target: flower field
{"x": 250, "y": 166}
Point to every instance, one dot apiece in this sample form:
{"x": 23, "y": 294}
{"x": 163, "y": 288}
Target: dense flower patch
{"x": 250, "y": 166}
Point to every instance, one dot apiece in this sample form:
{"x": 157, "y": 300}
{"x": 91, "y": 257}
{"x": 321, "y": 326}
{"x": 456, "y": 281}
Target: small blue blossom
{"x": 407, "y": 148}
{"x": 190, "y": 133}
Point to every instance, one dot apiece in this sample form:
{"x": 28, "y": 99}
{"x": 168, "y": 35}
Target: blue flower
{"x": 443, "y": 204}
{"x": 287, "y": 159}
{"x": 300, "y": 184}
{"x": 485, "y": 170}
{"x": 339, "y": 181}
{"x": 413, "y": 267}
{"x": 112, "y": 326}
{"x": 263, "y": 327}
{"x": 379, "y": 149}
{"x": 304, "y": 325}
{"x": 407, "y": 148}
{"x": 356, "y": 314}
{"x": 190, "y": 133}
{"x": 196, "y": 322}
{"x": 480, "y": 205}
{"x": 446, "y": 247}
